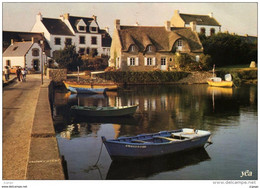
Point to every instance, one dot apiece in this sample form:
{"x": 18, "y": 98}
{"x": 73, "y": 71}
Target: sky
{"x": 239, "y": 18}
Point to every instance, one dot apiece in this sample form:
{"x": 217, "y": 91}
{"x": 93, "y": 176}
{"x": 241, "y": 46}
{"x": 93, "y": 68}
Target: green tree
{"x": 68, "y": 58}
{"x": 226, "y": 49}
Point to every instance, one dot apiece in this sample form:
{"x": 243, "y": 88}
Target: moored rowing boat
{"x": 156, "y": 144}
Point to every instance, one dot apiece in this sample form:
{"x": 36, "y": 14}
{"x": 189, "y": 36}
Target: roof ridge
{"x": 196, "y": 15}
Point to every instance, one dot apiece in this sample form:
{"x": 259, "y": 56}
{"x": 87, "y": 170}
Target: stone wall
{"x": 57, "y": 75}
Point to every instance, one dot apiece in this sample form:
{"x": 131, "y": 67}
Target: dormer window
{"x": 82, "y": 28}
{"x": 179, "y": 45}
{"x": 93, "y": 29}
{"x": 132, "y": 48}
{"x": 149, "y": 49}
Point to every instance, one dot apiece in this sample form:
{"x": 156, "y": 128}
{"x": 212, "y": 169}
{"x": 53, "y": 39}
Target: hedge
{"x": 143, "y": 76}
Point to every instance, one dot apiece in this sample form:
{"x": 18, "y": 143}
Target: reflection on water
{"x": 223, "y": 111}
{"x": 137, "y": 169}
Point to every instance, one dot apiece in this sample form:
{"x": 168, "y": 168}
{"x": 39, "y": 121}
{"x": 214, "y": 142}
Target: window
{"x": 149, "y": 48}
{"x": 132, "y": 61}
{"x": 202, "y": 30}
{"x": 163, "y": 61}
{"x": 8, "y": 63}
{"x": 82, "y": 40}
{"x": 57, "y": 41}
{"x": 68, "y": 41}
{"x": 35, "y": 52}
{"x": 93, "y": 29}
{"x": 212, "y": 31}
{"x": 132, "y": 49}
{"x": 81, "y": 51}
{"x": 179, "y": 43}
{"x": 88, "y": 50}
{"x": 81, "y": 28}
{"x": 149, "y": 61}
{"x": 93, "y": 40}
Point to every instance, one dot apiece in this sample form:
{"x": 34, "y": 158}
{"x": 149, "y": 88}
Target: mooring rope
{"x": 99, "y": 154}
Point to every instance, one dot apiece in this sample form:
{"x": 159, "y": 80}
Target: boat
{"x": 87, "y": 90}
{"x": 218, "y": 82}
{"x": 155, "y": 144}
{"x": 108, "y": 111}
{"x": 108, "y": 86}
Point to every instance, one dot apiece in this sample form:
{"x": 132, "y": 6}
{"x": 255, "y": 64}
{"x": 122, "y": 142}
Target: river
{"x": 229, "y": 113}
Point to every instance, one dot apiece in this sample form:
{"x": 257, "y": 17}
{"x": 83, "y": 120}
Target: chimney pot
{"x": 12, "y": 41}
{"x": 117, "y": 24}
{"x": 211, "y": 15}
{"x": 66, "y": 16}
{"x": 167, "y": 25}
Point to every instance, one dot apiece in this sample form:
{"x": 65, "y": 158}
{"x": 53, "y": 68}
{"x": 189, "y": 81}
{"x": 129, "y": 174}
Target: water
{"x": 229, "y": 113}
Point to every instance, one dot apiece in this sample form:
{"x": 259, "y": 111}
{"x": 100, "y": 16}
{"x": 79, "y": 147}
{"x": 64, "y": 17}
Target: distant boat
{"x": 108, "y": 86}
{"x": 218, "y": 82}
{"x": 104, "y": 111}
{"x": 87, "y": 90}
{"x": 156, "y": 144}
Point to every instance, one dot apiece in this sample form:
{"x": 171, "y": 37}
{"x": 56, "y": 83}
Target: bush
{"x": 205, "y": 62}
{"x": 143, "y": 77}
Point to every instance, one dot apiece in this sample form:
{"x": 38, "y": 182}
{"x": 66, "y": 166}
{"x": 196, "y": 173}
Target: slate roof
{"x": 19, "y": 36}
{"x": 74, "y": 20}
{"x": 162, "y": 39}
{"x": 106, "y": 39}
{"x": 56, "y": 27}
{"x": 199, "y": 19}
{"x": 17, "y": 49}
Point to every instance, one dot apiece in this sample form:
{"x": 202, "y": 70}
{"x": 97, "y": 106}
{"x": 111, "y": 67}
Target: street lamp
{"x": 43, "y": 53}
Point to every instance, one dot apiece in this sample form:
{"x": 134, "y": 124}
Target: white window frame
{"x": 149, "y": 48}
{"x": 132, "y": 49}
{"x": 163, "y": 60}
{"x": 179, "y": 43}
{"x": 149, "y": 61}
{"x": 132, "y": 61}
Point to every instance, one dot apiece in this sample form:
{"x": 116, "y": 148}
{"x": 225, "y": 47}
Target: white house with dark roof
{"x": 83, "y": 32}
{"x": 206, "y": 24}
{"x": 24, "y": 54}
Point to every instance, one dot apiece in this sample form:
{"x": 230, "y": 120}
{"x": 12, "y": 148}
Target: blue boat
{"x": 155, "y": 144}
{"x": 87, "y": 90}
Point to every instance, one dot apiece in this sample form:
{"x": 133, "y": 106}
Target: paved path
{"x": 19, "y": 103}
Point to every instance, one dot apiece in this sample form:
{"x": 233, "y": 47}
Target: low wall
{"x": 56, "y": 75}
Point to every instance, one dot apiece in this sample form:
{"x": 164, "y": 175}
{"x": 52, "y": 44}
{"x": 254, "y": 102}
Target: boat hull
{"x": 124, "y": 150}
{"x": 108, "y": 86}
{"x": 220, "y": 84}
{"x": 87, "y": 90}
{"x": 104, "y": 111}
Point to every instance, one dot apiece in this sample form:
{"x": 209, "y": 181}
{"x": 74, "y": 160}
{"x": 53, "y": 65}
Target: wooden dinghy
{"x": 104, "y": 111}
{"x": 87, "y": 90}
{"x": 108, "y": 86}
{"x": 156, "y": 144}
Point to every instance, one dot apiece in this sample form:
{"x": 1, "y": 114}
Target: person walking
{"x": 18, "y": 74}
{"x": 6, "y": 72}
{"x": 24, "y": 72}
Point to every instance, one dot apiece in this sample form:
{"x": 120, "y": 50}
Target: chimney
{"x": 167, "y": 25}
{"x": 117, "y": 24}
{"x": 66, "y": 16}
{"x": 107, "y": 29}
{"x": 39, "y": 16}
{"x": 32, "y": 39}
{"x": 94, "y": 17}
{"x": 12, "y": 41}
{"x": 193, "y": 26}
{"x": 246, "y": 35}
{"x": 211, "y": 15}
{"x": 136, "y": 23}
{"x": 176, "y": 12}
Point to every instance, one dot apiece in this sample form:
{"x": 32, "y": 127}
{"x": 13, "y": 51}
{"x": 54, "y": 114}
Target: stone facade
{"x": 147, "y": 48}
{"x": 57, "y": 75}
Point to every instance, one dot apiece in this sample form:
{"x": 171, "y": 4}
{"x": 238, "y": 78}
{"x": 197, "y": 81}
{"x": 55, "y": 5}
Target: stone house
{"x": 24, "y": 54}
{"x": 83, "y": 32}
{"x": 146, "y": 48}
{"x": 206, "y": 24}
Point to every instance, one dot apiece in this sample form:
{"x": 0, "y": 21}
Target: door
{"x": 36, "y": 65}
{"x": 163, "y": 63}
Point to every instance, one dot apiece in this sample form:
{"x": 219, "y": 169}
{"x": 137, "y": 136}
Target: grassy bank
{"x": 143, "y": 77}
{"x": 239, "y": 74}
